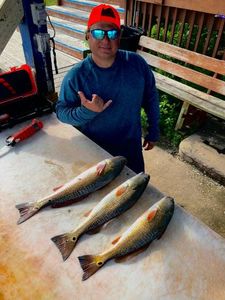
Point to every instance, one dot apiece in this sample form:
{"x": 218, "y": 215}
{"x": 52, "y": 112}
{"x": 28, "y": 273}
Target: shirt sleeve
{"x": 68, "y": 107}
{"x": 151, "y": 105}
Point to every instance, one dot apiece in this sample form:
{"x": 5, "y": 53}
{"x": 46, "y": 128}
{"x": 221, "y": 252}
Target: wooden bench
{"x": 179, "y": 62}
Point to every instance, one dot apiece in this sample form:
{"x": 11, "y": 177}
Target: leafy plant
{"x": 144, "y": 122}
{"x": 186, "y": 31}
{"x": 51, "y": 2}
{"x": 169, "y": 112}
{"x": 170, "y": 107}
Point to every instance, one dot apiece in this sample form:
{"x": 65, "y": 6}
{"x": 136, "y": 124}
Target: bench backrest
{"x": 160, "y": 57}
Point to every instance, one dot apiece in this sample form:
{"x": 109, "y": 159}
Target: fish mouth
{"x": 167, "y": 202}
{"x": 170, "y": 199}
{"x": 118, "y": 161}
{"x": 147, "y": 177}
{"x": 140, "y": 181}
{"x": 144, "y": 177}
{"x": 122, "y": 159}
{"x": 144, "y": 174}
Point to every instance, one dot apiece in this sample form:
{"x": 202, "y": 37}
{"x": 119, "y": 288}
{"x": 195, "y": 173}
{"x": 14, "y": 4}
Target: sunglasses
{"x": 99, "y": 34}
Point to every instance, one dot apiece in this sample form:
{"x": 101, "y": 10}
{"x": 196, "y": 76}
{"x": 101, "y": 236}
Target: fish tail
{"x": 26, "y": 210}
{"x": 65, "y": 243}
{"x": 90, "y": 264}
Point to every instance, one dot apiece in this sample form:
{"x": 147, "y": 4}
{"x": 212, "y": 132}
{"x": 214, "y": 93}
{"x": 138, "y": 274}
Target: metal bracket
{"x": 43, "y": 44}
{"x": 39, "y": 14}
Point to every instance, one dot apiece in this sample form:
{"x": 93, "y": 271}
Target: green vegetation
{"x": 50, "y": 2}
{"x": 169, "y": 106}
{"x": 144, "y": 122}
{"x": 185, "y": 34}
{"x": 169, "y": 112}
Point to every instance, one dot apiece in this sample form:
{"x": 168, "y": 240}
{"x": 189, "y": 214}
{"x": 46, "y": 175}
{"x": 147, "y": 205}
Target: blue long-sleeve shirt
{"x": 130, "y": 84}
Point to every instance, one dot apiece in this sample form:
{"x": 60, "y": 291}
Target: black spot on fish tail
{"x": 65, "y": 244}
{"x": 90, "y": 265}
{"x": 26, "y": 210}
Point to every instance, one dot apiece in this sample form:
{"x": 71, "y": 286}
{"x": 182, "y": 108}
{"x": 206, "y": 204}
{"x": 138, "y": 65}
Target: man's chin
{"x": 107, "y": 51}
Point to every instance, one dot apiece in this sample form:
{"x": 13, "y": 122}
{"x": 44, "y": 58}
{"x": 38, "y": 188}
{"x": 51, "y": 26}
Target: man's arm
{"x": 69, "y": 108}
{"x": 151, "y": 107}
{"x": 73, "y": 107}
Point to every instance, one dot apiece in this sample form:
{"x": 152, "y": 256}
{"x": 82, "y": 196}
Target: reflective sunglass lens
{"x": 99, "y": 34}
{"x": 113, "y": 34}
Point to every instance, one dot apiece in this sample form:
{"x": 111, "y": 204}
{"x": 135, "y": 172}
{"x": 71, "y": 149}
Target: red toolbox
{"x": 16, "y": 84}
{"x": 19, "y": 97}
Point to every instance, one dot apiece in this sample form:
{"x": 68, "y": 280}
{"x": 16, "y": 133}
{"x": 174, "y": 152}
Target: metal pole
{"x": 33, "y": 29}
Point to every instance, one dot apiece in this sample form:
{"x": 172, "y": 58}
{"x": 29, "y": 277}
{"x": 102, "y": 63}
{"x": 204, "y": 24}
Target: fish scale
{"x": 75, "y": 194}
{"x": 146, "y": 239}
{"x": 149, "y": 226}
{"x": 113, "y": 204}
{"x": 76, "y": 189}
{"x": 117, "y": 211}
{"x": 142, "y": 232}
{"x": 103, "y": 220}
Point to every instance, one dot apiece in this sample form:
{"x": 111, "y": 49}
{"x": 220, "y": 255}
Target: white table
{"x": 188, "y": 262}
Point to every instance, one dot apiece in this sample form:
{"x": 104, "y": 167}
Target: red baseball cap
{"x": 104, "y": 13}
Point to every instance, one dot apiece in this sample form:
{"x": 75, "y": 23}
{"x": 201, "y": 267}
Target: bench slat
{"x": 199, "y": 99}
{"x": 203, "y": 80}
{"x": 200, "y": 60}
{"x": 190, "y": 96}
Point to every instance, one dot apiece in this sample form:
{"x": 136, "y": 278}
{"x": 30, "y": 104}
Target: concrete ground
{"x": 197, "y": 193}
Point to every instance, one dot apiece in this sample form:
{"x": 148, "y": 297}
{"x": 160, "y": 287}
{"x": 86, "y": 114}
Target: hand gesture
{"x": 96, "y": 104}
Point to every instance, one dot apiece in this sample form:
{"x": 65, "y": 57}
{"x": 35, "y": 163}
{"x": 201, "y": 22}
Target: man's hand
{"x": 96, "y": 104}
{"x": 148, "y": 145}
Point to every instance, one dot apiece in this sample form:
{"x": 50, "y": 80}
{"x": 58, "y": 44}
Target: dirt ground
{"x": 195, "y": 192}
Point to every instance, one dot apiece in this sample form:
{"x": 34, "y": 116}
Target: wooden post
{"x": 183, "y": 112}
{"x": 11, "y": 13}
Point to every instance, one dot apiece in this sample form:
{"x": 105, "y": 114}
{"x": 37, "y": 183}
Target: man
{"x": 102, "y": 95}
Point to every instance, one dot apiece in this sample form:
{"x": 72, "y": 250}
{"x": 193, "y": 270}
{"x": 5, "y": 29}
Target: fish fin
{"x": 26, "y": 210}
{"x": 116, "y": 240}
{"x": 100, "y": 168}
{"x": 65, "y": 244}
{"x": 57, "y": 187}
{"x": 87, "y": 213}
{"x": 94, "y": 231}
{"x": 131, "y": 255}
{"x": 90, "y": 264}
{"x": 66, "y": 203}
{"x": 121, "y": 190}
{"x": 151, "y": 215}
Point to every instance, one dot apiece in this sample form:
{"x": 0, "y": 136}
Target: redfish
{"x": 113, "y": 204}
{"x": 148, "y": 227}
{"x": 76, "y": 189}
